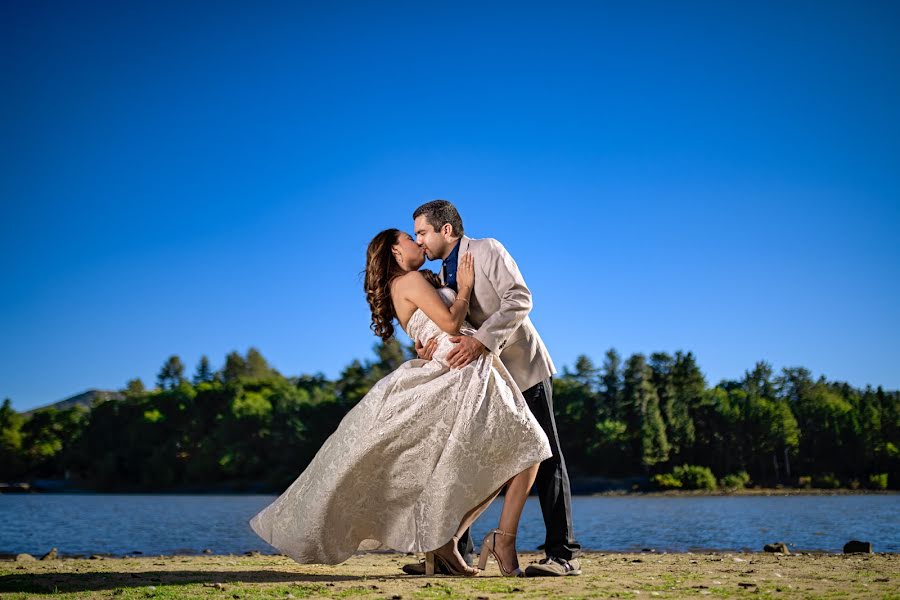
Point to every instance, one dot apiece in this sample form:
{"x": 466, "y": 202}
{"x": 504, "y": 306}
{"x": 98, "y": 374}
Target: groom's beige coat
{"x": 499, "y": 308}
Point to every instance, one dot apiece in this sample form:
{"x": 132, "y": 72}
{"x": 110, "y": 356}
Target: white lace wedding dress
{"x": 421, "y": 449}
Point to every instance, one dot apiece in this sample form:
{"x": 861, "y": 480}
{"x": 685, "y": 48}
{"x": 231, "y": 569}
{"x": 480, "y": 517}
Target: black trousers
{"x": 552, "y": 482}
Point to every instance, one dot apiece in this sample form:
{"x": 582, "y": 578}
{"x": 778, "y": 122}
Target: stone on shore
{"x": 24, "y": 557}
{"x": 854, "y": 546}
{"x": 777, "y": 547}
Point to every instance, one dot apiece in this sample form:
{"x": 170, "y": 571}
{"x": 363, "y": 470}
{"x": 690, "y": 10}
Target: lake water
{"x": 168, "y": 524}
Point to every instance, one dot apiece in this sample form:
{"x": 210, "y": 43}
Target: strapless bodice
{"x": 421, "y": 328}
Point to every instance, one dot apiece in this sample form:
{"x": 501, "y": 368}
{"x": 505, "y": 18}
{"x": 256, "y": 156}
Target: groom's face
{"x": 434, "y": 243}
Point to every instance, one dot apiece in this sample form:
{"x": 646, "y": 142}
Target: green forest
{"x": 653, "y": 422}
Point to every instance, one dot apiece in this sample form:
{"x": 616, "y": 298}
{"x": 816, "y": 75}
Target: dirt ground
{"x": 606, "y": 575}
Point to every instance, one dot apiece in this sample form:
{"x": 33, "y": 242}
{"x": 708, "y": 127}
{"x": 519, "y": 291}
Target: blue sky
{"x": 189, "y": 178}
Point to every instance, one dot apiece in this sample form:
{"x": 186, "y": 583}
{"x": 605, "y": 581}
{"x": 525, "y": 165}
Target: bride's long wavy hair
{"x": 381, "y": 269}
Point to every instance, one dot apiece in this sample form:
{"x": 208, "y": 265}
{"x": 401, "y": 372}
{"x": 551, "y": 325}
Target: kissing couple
{"x": 433, "y": 443}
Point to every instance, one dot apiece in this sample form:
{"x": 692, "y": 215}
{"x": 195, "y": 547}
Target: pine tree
{"x": 793, "y": 385}
{"x": 204, "y": 371}
{"x": 640, "y": 393}
{"x": 134, "y": 387}
{"x": 235, "y": 367}
{"x": 171, "y": 374}
{"x": 10, "y": 441}
{"x": 688, "y": 386}
{"x": 610, "y": 396}
{"x": 586, "y": 377}
{"x": 257, "y": 366}
{"x": 661, "y": 364}
{"x": 585, "y": 372}
{"x": 758, "y": 382}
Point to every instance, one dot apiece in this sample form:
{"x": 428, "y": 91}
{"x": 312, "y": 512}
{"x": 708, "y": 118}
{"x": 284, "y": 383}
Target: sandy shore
{"x": 747, "y": 492}
{"x": 378, "y": 576}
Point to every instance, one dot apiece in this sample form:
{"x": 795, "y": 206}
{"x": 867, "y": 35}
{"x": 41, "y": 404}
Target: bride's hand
{"x": 465, "y": 271}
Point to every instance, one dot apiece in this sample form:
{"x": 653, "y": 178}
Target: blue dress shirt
{"x": 450, "y": 264}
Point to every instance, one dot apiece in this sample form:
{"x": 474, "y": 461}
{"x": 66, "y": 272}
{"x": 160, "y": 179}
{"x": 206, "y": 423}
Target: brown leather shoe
{"x": 419, "y": 568}
{"x": 553, "y": 566}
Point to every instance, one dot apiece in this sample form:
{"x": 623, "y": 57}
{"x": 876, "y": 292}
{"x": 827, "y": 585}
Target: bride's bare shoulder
{"x": 408, "y": 281}
{"x": 410, "y": 278}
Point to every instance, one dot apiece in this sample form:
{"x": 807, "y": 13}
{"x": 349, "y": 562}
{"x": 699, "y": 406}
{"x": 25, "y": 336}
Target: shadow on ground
{"x": 106, "y": 580}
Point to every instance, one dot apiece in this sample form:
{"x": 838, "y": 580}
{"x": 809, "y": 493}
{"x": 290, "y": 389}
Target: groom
{"x": 499, "y": 308}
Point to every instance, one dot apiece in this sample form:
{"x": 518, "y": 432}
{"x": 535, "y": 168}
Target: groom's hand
{"x": 426, "y": 352}
{"x": 466, "y": 350}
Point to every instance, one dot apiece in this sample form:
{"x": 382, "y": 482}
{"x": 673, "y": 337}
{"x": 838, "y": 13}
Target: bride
{"x": 428, "y": 448}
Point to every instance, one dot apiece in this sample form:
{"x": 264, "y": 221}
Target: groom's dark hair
{"x": 438, "y": 212}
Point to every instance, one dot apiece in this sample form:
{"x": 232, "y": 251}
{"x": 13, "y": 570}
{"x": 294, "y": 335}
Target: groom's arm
{"x": 515, "y": 297}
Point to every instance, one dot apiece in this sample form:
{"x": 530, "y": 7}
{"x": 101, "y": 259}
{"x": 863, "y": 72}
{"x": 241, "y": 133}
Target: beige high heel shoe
{"x": 446, "y": 565}
{"x": 487, "y": 546}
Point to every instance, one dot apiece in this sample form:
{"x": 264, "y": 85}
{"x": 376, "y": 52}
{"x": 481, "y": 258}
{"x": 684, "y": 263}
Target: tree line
{"x": 654, "y": 419}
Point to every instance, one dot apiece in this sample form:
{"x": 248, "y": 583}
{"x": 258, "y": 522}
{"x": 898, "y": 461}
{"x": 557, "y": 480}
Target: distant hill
{"x": 86, "y": 399}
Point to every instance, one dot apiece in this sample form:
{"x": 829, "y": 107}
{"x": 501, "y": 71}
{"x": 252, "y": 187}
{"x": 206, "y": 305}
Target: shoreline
{"x": 621, "y": 575}
{"x": 24, "y": 557}
{"x": 745, "y": 492}
{"x": 581, "y": 490}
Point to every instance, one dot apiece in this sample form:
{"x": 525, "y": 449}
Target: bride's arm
{"x": 413, "y": 288}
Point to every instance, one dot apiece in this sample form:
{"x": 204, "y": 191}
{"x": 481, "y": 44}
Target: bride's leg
{"x": 449, "y": 551}
{"x": 513, "y": 503}
{"x": 517, "y": 490}
{"x": 473, "y": 514}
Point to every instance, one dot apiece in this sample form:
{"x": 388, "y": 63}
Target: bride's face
{"x": 408, "y": 254}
